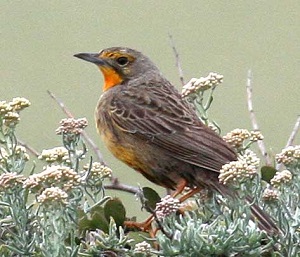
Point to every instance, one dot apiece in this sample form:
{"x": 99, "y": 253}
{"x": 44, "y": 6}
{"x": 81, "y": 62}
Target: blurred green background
{"x": 38, "y": 39}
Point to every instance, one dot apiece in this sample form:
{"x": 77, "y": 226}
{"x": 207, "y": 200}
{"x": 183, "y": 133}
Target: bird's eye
{"x": 122, "y": 60}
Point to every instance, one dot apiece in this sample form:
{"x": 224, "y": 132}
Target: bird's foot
{"x": 143, "y": 226}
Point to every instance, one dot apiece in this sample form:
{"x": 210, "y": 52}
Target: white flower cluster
{"x": 256, "y": 135}
{"x": 5, "y": 107}
{"x": 57, "y": 154}
{"x": 98, "y": 170}
{"x": 71, "y": 126}
{"x": 143, "y": 247}
{"x": 236, "y": 171}
{"x": 237, "y": 137}
{"x": 281, "y": 177}
{"x": 55, "y": 175}
{"x": 19, "y": 103}
{"x": 53, "y": 195}
{"x": 289, "y": 155}
{"x": 167, "y": 206}
{"x": 250, "y": 158}
{"x": 10, "y": 110}
{"x": 270, "y": 195}
{"x": 11, "y": 118}
{"x": 11, "y": 180}
{"x": 201, "y": 84}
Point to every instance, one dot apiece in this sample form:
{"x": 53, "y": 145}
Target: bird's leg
{"x": 144, "y": 226}
{"x": 190, "y": 194}
{"x": 180, "y": 187}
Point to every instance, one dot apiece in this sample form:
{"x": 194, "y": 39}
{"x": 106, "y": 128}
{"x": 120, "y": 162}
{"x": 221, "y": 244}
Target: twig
{"x": 116, "y": 185}
{"x": 29, "y": 148}
{"x": 84, "y": 134}
{"x": 294, "y": 132}
{"x": 178, "y": 63}
{"x": 253, "y": 119}
{"x": 61, "y": 104}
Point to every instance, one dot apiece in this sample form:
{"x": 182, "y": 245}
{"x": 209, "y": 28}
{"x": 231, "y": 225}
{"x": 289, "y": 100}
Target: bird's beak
{"x": 111, "y": 76}
{"x": 92, "y": 57}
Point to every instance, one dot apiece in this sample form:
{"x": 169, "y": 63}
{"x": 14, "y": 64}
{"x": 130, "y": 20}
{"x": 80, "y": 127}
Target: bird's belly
{"x": 125, "y": 154}
{"x": 140, "y": 156}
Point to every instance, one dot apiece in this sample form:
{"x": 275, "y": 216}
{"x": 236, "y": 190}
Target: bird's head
{"x": 119, "y": 64}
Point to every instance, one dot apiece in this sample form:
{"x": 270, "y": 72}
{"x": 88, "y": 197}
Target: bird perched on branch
{"x": 145, "y": 123}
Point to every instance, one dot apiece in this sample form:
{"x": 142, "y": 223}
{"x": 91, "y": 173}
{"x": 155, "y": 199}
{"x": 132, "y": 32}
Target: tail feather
{"x": 263, "y": 220}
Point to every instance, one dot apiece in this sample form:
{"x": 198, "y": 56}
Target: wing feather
{"x": 157, "y": 114}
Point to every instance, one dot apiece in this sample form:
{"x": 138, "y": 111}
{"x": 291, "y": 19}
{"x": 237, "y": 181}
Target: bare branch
{"x": 116, "y": 185}
{"x": 29, "y": 148}
{"x": 61, "y": 104}
{"x": 178, "y": 63}
{"x": 84, "y": 134}
{"x": 253, "y": 119}
{"x": 294, "y": 132}
{"x": 93, "y": 146}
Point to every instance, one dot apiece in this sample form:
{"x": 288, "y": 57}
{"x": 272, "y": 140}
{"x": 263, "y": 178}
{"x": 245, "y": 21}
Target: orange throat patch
{"x": 111, "y": 77}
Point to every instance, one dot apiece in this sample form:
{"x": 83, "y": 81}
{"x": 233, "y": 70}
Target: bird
{"x": 144, "y": 122}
